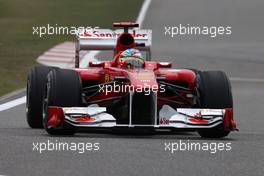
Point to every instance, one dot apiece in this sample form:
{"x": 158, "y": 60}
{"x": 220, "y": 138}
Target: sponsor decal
{"x": 111, "y": 34}
{"x": 107, "y": 77}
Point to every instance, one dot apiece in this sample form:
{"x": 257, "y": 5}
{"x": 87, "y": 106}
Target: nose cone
{"x": 142, "y": 78}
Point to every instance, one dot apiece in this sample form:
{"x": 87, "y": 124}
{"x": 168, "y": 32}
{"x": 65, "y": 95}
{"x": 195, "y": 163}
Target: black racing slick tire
{"x": 215, "y": 92}
{"x": 63, "y": 89}
{"x": 36, "y": 82}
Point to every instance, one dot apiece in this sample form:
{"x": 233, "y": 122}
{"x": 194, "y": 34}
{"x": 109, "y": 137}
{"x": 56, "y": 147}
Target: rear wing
{"x": 105, "y": 39}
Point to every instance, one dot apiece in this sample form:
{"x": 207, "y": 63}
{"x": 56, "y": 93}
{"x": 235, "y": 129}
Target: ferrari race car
{"x": 128, "y": 91}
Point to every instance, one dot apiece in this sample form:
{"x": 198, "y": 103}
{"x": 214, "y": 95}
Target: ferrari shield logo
{"x": 107, "y": 77}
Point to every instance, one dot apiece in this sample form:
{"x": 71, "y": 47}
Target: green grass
{"x": 19, "y": 48}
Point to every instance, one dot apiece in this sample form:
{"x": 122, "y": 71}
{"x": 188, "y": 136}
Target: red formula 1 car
{"x": 129, "y": 91}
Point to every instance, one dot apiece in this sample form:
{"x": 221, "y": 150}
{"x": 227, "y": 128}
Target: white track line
{"x": 12, "y": 103}
{"x": 253, "y": 80}
{"x": 143, "y": 12}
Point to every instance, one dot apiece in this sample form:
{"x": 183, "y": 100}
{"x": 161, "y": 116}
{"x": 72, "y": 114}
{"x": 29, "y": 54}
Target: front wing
{"x": 180, "y": 118}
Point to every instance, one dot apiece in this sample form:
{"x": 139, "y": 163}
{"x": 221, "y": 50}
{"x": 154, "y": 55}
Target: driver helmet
{"x": 131, "y": 58}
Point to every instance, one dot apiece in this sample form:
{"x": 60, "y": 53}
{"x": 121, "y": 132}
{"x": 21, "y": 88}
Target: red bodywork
{"x": 106, "y": 71}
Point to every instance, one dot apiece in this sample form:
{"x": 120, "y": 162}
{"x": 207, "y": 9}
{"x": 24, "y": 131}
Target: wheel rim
{"x": 27, "y": 97}
{"x": 45, "y": 104}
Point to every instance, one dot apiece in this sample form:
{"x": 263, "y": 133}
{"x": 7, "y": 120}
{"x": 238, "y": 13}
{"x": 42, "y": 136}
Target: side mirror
{"x": 96, "y": 64}
{"x": 164, "y": 65}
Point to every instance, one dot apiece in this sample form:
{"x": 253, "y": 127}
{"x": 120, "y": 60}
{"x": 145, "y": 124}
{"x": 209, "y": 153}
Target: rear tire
{"x": 36, "y": 82}
{"x": 64, "y": 90}
{"x": 215, "y": 92}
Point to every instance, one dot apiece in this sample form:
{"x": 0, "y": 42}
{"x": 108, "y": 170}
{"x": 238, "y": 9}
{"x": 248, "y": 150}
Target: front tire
{"x": 36, "y": 82}
{"x": 215, "y": 93}
{"x": 63, "y": 90}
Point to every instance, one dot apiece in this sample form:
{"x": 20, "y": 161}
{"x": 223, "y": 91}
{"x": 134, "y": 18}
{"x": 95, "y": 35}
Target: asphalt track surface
{"x": 239, "y": 55}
